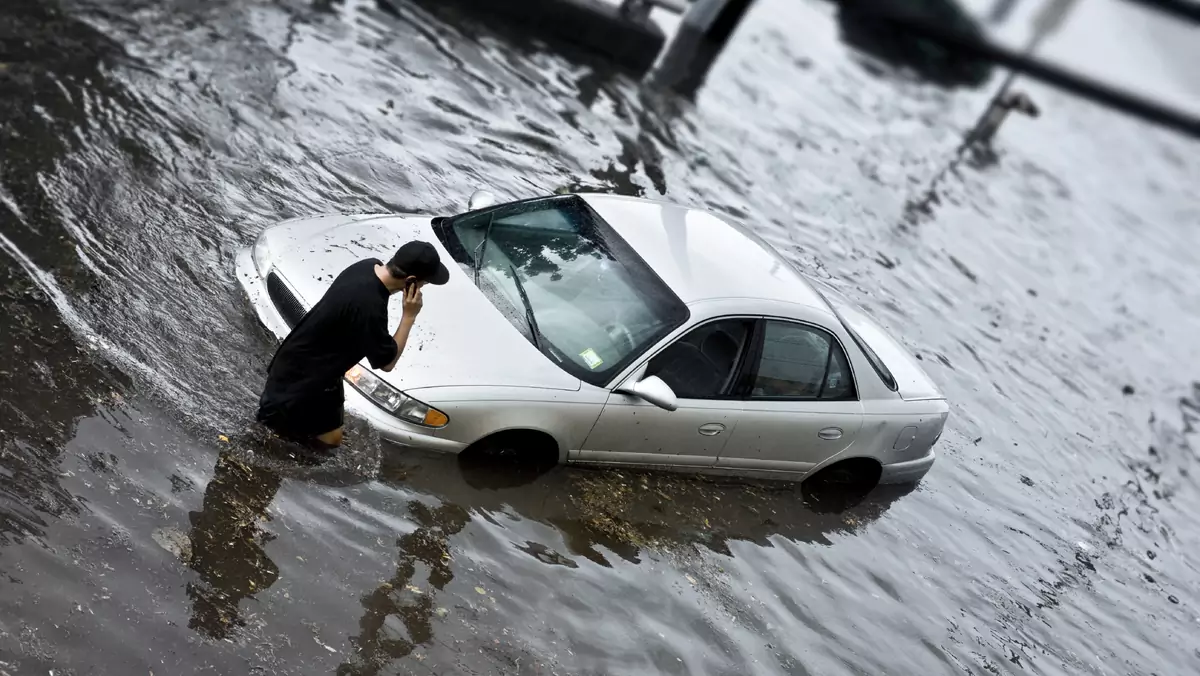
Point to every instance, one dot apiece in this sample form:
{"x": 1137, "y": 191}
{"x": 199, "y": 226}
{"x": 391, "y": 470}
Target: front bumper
{"x": 388, "y": 426}
{"x": 907, "y": 472}
{"x": 395, "y": 430}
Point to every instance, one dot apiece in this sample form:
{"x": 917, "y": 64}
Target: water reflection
{"x": 399, "y": 613}
{"x": 861, "y": 28}
{"x": 625, "y": 511}
{"x": 227, "y": 544}
{"x": 48, "y": 380}
{"x": 289, "y": 115}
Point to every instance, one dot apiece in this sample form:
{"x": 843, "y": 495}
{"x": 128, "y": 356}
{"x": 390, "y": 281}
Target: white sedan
{"x": 612, "y": 330}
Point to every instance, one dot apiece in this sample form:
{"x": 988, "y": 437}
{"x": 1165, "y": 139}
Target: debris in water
{"x": 1172, "y": 599}
{"x": 964, "y": 269}
{"x": 175, "y": 541}
{"x": 690, "y": 579}
{"x": 222, "y": 437}
{"x": 1127, "y": 390}
{"x": 481, "y": 591}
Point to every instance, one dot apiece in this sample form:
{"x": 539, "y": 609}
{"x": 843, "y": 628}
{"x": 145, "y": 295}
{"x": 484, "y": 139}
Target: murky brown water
{"x": 142, "y": 142}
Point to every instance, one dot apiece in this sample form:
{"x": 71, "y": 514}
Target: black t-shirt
{"x": 347, "y": 324}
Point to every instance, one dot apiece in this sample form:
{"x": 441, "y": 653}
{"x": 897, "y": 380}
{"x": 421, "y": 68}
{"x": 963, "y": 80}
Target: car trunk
{"x": 912, "y": 383}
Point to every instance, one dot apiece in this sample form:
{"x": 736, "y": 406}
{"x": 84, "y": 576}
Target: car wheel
{"x": 841, "y": 485}
{"x": 508, "y": 459}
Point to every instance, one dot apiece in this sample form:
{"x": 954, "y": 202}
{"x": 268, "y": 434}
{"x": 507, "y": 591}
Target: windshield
{"x": 595, "y": 305}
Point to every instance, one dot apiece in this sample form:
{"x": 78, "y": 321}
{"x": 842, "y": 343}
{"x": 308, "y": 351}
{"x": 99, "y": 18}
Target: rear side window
{"x": 801, "y": 362}
{"x": 837, "y": 302}
{"x": 876, "y": 363}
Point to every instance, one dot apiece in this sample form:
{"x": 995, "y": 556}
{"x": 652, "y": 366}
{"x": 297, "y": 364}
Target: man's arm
{"x": 412, "y": 307}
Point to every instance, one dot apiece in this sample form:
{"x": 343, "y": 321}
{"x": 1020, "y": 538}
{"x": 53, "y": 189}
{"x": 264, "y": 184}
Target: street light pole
{"x": 1049, "y": 20}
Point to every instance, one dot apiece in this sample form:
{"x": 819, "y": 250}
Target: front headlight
{"x": 261, "y": 255}
{"x": 394, "y": 401}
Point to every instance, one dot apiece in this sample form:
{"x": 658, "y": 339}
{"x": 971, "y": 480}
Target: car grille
{"x": 285, "y": 301}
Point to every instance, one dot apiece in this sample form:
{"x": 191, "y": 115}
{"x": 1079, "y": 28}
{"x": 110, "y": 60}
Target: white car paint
{"x": 468, "y": 360}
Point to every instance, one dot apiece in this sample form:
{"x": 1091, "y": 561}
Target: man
{"x": 302, "y": 400}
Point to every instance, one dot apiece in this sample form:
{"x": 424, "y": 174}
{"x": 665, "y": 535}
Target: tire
{"x": 508, "y": 459}
{"x": 841, "y": 485}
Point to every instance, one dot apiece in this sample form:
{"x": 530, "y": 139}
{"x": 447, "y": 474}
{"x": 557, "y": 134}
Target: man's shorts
{"x": 304, "y": 419}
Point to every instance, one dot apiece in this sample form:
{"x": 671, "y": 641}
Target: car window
{"x": 702, "y": 363}
{"x": 801, "y": 362}
{"x": 839, "y": 382}
{"x": 850, "y": 315}
{"x": 876, "y": 363}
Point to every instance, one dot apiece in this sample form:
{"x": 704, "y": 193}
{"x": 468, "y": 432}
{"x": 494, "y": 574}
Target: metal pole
{"x": 703, "y": 32}
{"x": 640, "y": 9}
{"x": 1049, "y": 20}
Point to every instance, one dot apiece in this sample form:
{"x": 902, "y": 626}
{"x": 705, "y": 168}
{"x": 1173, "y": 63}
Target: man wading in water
{"x": 303, "y": 399}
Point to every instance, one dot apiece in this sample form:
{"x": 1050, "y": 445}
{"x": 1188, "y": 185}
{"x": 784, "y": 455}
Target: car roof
{"x": 702, "y": 256}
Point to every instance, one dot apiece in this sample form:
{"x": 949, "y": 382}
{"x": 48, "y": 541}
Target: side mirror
{"x": 652, "y": 390}
{"x": 480, "y": 199}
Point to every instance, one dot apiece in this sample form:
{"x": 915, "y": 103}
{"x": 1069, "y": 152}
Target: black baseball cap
{"x": 419, "y": 259}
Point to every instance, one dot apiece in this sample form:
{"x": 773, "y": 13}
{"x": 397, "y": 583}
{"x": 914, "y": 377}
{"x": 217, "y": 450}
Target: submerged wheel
{"x": 841, "y": 485}
{"x": 510, "y": 458}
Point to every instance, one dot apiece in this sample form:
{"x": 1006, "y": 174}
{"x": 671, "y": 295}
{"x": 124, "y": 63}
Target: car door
{"x": 801, "y": 405}
{"x": 703, "y": 367}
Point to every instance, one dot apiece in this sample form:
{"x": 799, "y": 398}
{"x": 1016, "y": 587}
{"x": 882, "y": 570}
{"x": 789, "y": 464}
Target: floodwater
{"x": 1054, "y": 295}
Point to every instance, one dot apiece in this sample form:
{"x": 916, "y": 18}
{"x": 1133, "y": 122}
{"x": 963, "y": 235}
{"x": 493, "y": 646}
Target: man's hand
{"x": 412, "y": 308}
{"x": 412, "y": 301}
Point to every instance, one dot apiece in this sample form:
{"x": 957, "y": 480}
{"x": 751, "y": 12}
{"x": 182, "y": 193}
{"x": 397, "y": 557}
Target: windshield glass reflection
{"x": 595, "y": 303}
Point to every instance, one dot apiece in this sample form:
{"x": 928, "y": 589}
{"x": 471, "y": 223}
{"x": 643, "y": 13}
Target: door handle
{"x": 830, "y": 433}
{"x": 711, "y": 429}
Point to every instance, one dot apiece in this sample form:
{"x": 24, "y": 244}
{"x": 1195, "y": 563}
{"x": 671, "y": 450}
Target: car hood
{"x": 460, "y": 337}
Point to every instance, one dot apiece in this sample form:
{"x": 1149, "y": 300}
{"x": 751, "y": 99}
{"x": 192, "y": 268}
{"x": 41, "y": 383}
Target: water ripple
{"x": 1053, "y": 296}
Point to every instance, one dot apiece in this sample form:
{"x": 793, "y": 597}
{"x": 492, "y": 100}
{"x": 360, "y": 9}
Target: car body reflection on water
{"x": 597, "y": 512}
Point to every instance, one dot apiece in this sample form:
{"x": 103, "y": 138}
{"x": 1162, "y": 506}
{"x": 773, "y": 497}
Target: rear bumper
{"x": 389, "y": 427}
{"x": 907, "y": 472}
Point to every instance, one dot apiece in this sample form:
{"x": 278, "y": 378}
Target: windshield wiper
{"x": 479, "y": 250}
{"x": 537, "y": 341}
